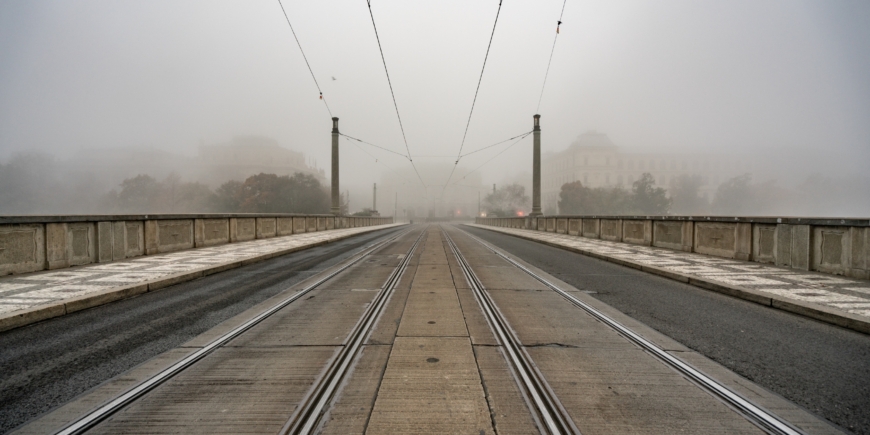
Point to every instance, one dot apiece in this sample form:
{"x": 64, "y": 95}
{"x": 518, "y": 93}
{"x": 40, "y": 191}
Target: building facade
{"x": 594, "y": 160}
{"x": 245, "y": 156}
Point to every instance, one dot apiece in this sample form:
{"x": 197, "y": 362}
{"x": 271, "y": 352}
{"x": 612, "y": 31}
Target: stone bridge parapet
{"x": 839, "y": 246}
{"x": 33, "y": 243}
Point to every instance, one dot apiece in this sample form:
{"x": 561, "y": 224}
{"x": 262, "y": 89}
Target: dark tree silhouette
{"x": 507, "y": 201}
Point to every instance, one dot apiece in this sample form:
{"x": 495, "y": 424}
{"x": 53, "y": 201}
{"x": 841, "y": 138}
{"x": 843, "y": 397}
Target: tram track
{"x": 110, "y": 407}
{"x": 547, "y": 411}
{"x": 308, "y": 416}
{"x": 764, "y": 419}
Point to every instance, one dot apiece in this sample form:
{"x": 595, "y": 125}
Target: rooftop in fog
{"x": 594, "y": 139}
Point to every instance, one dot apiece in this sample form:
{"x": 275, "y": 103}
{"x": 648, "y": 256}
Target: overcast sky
{"x": 770, "y": 76}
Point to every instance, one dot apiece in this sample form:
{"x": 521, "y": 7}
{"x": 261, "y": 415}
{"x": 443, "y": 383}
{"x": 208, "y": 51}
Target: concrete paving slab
{"x": 507, "y": 278}
{"x": 431, "y": 383}
{"x": 433, "y": 313}
{"x": 399, "y": 247}
{"x": 431, "y": 386}
{"x": 834, "y": 299}
{"x": 478, "y": 328}
{"x": 323, "y": 317}
{"x": 547, "y": 319}
{"x": 433, "y": 308}
{"x": 622, "y": 391}
{"x": 479, "y": 257}
{"x": 367, "y": 277}
{"x": 385, "y": 330}
{"x": 391, "y": 260}
{"x": 432, "y": 274}
{"x": 350, "y": 411}
{"x": 509, "y": 411}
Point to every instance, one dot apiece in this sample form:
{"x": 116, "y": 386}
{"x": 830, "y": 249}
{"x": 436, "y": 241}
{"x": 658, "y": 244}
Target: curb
{"x": 806, "y": 309}
{"x": 29, "y": 316}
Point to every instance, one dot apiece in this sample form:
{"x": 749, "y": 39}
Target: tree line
{"x": 261, "y": 193}
{"x": 738, "y": 196}
{"x": 37, "y": 183}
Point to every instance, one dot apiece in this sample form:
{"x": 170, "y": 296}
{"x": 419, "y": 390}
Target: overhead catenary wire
{"x": 495, "y": 144}
{"x": 376, "y": 146}
{"x": 552, "y": 50}
{"x": 493, "y": 157}
{"x": 393, "y": 94}
{"x": 473, "y": 101}
{"x": 377, "y": 160}
{"x": 322, "y": 98}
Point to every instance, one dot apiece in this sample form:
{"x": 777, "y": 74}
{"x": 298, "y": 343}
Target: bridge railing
{"x": 836, "y": 246}
{"x": 32, "y": 243}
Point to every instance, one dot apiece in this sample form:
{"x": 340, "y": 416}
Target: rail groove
{"x": 95, "y": 416}
{"x": 763, "y": 418}
{"x": 548, "y": 412}
{"x": 308, "y": 416}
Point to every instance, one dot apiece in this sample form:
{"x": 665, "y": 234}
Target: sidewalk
{"x": 833, "y": 299}
{"x": 29, "y": 298}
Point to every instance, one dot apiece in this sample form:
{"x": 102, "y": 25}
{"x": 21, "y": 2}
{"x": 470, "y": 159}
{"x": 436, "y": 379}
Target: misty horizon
{"x": 783, "y": 84}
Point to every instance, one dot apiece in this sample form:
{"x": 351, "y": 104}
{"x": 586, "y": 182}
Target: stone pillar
{"x": 536, "y": 168}
{"x": 336, "y": 206}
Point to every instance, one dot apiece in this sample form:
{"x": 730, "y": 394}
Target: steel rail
{"x": 548, "y": 412}
{"x": 763, "y": 418}
{"x": 308, "y": 416}
{"x": 104, "y": 411}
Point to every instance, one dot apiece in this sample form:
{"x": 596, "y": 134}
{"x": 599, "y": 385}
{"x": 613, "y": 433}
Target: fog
{"x": 87, "y": 86}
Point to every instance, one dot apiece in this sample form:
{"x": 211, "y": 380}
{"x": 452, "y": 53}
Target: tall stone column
{"x": 536, "y": 168}
{"x": 336, "y": 196}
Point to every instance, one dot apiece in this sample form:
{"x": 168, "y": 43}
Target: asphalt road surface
{"x": 824, "y": 368}
{"x": 44, "y": 365}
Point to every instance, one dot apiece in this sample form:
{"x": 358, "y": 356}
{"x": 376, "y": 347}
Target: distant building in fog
{"x": 245, "y": 156}
{"x": 594, "y": 160}
{"x": 214, "y": 165}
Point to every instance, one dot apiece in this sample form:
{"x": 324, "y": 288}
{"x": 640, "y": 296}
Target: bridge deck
{"x": 431, "y": 363}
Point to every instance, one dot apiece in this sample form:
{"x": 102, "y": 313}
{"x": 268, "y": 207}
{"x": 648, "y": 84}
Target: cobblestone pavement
{"x": 839, "y": 293}
{"x": 31, "y": 290}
